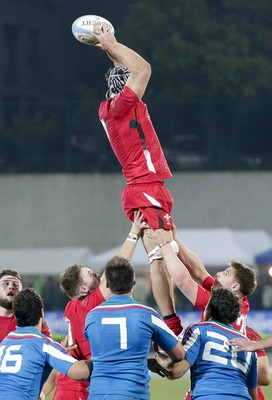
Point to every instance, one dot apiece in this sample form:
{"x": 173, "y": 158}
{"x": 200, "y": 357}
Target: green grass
{"x": 163, "y": 389}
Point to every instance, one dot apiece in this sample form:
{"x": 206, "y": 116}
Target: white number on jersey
{"x": 224, "y": 348}
{"x": 10, "y": 362}
{"x": 69, "y": 333}
{"x": 122, "y": 321}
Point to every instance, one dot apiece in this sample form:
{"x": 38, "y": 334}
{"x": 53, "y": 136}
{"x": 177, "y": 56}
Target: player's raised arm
{"x": 176, "y": 268}
{"x": 120, "y": 54}
{"x": 191, "y": 261}
{"x": 129, "y": 245}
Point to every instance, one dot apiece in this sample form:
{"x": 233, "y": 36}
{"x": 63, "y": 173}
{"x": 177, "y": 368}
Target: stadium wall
{"x": 84, "y": 209}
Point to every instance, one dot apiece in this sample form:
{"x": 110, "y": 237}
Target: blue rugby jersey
{"x": 216, "y": 371}
{"x": 26, "y": 359}
{"x": 120, "y": 332}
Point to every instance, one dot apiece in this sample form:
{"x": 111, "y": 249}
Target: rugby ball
{"x": 83, "y": 27}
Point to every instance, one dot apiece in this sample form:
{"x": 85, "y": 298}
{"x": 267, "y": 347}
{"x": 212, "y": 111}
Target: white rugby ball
{"x": 83, "y": 27}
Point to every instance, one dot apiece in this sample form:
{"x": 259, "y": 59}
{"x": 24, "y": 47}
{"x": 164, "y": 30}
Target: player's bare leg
{"x": 162, "y": 288}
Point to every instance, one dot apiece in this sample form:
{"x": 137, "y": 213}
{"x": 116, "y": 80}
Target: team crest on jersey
{"x": 167, "y": 218}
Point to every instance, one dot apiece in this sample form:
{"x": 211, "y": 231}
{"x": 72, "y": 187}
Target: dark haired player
{"x": 27, "y": 356}
{"x": 216, "y": 371}
{"x": 194, "y": 281}
{"x": 10, "y": 285}
{"x": 120, "y": 332}
{"x": 86, "y": 289}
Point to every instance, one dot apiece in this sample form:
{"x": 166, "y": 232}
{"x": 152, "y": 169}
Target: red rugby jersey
{"x": 133, "y": 138}
{"x": 203, "y": 297}
{"x": 75, "y": 314}
{"x": 8, "y": 324}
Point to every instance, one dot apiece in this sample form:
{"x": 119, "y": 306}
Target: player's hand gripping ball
{"x": 83, "y": 27}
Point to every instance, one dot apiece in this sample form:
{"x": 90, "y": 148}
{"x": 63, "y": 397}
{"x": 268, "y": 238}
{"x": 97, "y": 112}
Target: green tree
{"x": 210, "y": 56}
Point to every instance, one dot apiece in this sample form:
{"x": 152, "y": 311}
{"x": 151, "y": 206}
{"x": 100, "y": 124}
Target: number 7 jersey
{"x": 120, "y": 332}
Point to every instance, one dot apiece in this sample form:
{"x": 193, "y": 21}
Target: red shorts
{"x": 154, "y": 201}
{"x": 70, "y": 395}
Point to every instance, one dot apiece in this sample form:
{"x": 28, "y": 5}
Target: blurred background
{"x": 210, "y": 100}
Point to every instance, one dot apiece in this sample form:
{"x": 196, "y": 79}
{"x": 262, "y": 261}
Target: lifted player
{"x": 136, "y": 145}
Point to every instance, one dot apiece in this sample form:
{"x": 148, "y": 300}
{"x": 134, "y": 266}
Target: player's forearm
{"x": 251, "y": 345}
{"x": 49, "y": 384}
{"x": 175, "y": 266}
{"x": 263, "y": 344}
{"x": 121, "y": 54}
{"x": 264, "y": 375}
{"x": 180, "y": 274}
{"x": 80, "y": 370}
{"x": 179, "y": 369}
{"x": 192, "y": 262}
{"x": 129, "y": 245}
{"x": 127, "y": 249}
{"x": 177, "y": 353}
{"x": 253, "y": 393}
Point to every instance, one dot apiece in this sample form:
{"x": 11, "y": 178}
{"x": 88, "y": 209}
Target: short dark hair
{"x": 11, "y": 272}
{"x": 120, "y": 275}
{"x": 27, "y": 307}
{"x": 246, "y": 277}
{"x": 71, "y": 279}
{"x": 224, "y": 306}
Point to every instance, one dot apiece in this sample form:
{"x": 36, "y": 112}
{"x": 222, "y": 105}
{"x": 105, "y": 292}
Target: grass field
{"x": 163, "y": 389}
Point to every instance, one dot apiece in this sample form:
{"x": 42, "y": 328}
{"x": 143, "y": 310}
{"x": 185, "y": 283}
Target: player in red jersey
{"x": 86, "y": 289}
{"x": 136, "y": 145}
{"x": 194, "y": 281}
{"x": 264, "y": 375}
{"x": 10, "y": 285}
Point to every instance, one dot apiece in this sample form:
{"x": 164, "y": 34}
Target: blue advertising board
{"x": 261, "y": 321}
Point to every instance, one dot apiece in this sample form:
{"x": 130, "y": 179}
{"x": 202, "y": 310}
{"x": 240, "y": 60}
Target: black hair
{"x": 120, "y": 275}
{"x": 224, "y": 306}
{"x": 11, "y": 272}
{"x": 27, "y": 307}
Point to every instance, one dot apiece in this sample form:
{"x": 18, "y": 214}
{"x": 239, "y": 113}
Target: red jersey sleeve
{"x": 7, "y": 325}
{"x": 208, "y": 282}
{"x": 253, "y": 335}
{"x": 45, "y": 329}
{"x": 202, "y": 298}
{"x": 123, "y": 102}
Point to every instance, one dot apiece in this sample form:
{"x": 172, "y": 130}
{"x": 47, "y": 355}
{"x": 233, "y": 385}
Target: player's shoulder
{"x": 144, "y": 309}
{"x": 201, "y": 328}
{"x": 123, "y": 101}
{"x": 226, "y": 330}
{"x": 30, "y": 337}
{"x": 251, "y": 334}
{"x": 7, "y": 319}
